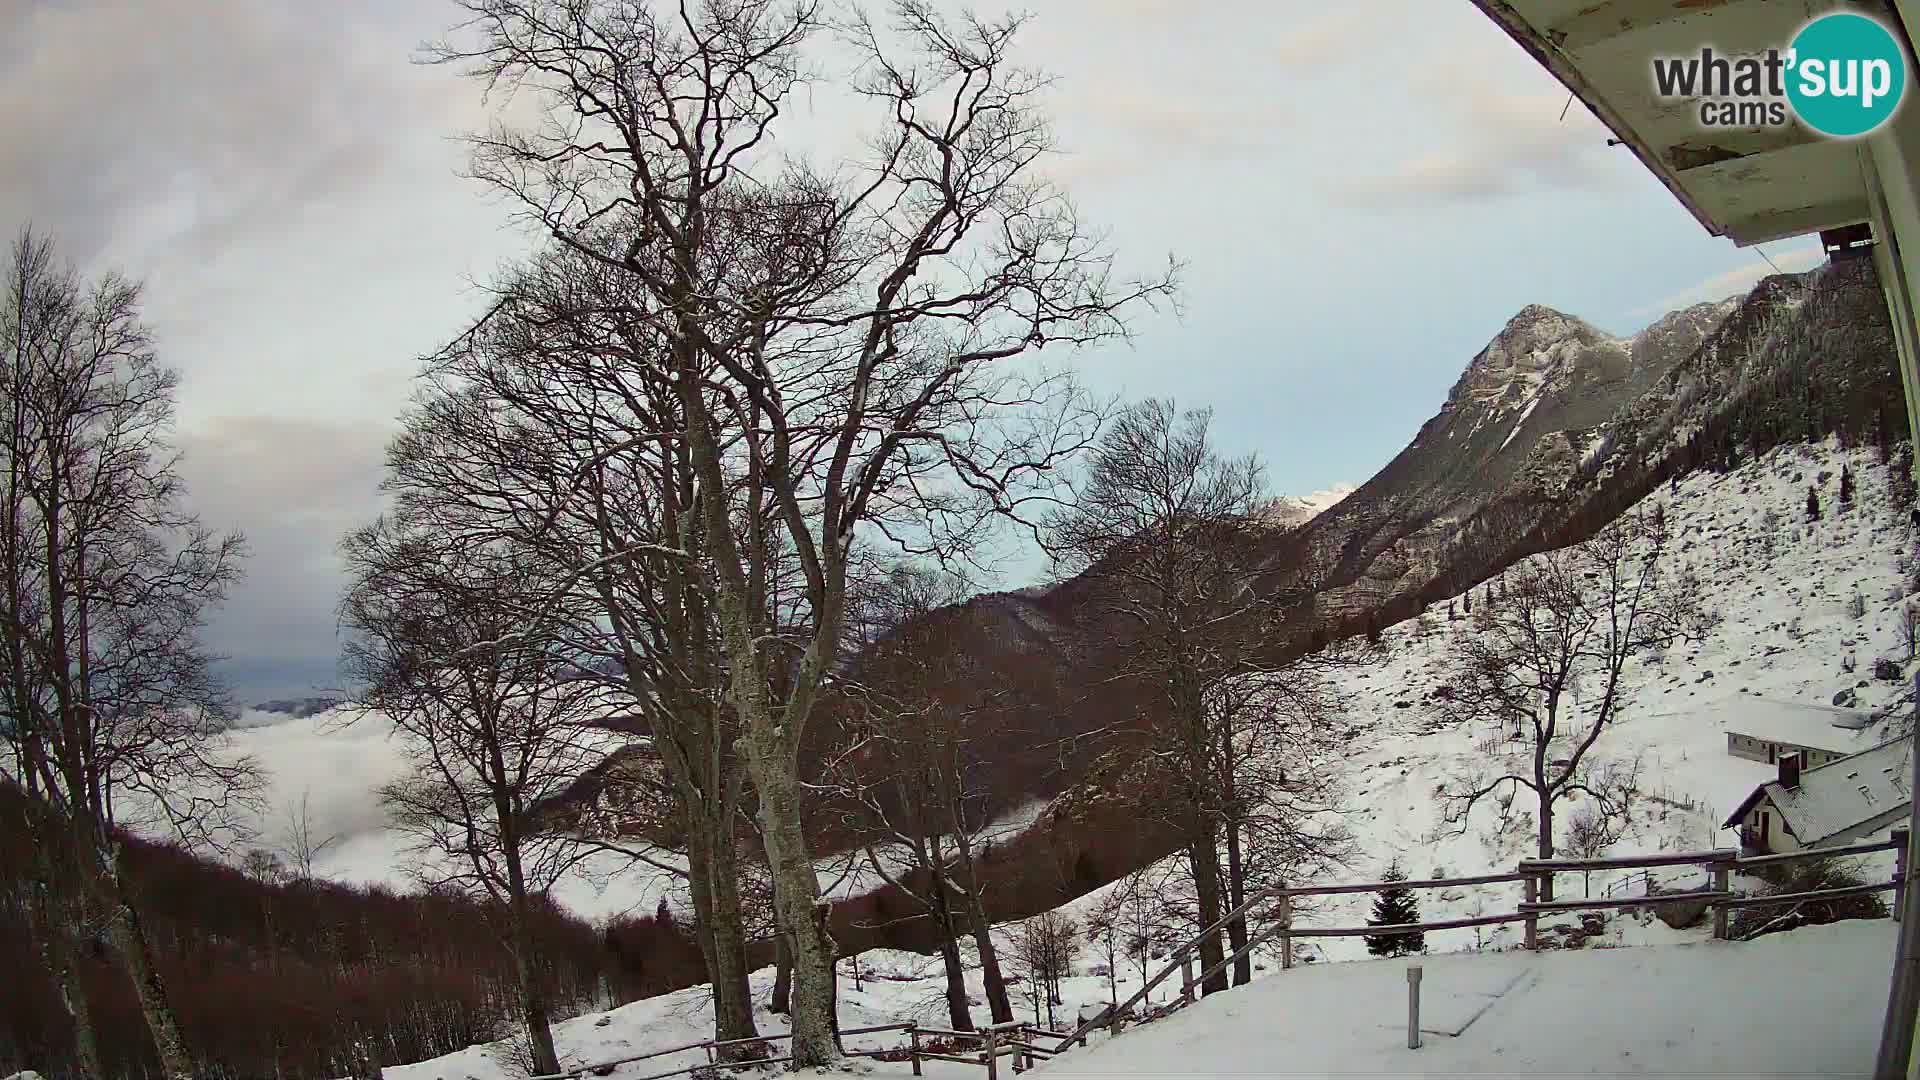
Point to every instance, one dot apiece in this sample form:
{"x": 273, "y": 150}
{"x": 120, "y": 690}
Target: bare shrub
{"x": 1809, "y": 876}
{"x": 1044, "y": 949}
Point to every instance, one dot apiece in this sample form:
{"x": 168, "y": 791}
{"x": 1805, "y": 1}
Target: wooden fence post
{"x": 1722, "y": 882}
{"x": 1413, "y": 1006}
{"x": 1286, "y": 927}
{"x": 993, "y": 1053}
{"x": 1900, "y": 837}
{"x": 1186, "y": 979}
{"x": 1530, "y": 892}
{"x": 914, "y": 1034}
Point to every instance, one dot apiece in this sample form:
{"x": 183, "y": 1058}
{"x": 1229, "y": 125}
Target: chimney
{"x": 1790, "y": 770}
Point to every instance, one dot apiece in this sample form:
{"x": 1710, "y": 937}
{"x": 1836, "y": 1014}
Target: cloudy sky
{"x": 1363, "y": 193}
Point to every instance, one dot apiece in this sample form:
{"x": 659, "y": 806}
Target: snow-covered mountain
{"x": 1555, "y": 427}
{"x": 1292, "y": 511}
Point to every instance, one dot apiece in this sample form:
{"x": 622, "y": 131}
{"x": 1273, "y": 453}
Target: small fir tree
{"x": 1395, "y": 907}
{"x": 1846, "y": 487}
{"x": 1813, "y": 504}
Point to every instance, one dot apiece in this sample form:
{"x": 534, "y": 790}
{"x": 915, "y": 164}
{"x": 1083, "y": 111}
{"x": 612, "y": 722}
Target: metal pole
{"x": 1286, "y": 926}
{"x": 1902, "y": 838}
{"x": 1413, "y": 1006}
{"x": 1903, "y": 998}
{"x": 1721, "y": 883}
{"x": 1529, "y": 892}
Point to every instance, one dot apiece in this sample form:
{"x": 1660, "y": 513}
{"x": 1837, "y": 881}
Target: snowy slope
{"x": 1782, "y": 589}
{"x": 1703, "y": 1009}
{"x": 1808, "y": 1003}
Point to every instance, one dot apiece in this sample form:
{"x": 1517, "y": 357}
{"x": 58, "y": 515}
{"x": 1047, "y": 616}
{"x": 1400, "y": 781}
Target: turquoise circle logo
{"x": 1847, "y": 74}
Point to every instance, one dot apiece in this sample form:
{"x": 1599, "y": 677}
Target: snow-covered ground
{"x": 1807, "y": 1003}
{"x": 1804, "y": 1003}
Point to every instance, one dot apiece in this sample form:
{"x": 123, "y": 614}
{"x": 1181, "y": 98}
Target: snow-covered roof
{"x": 1841, "y": 794}
{"x": 1822, "y": 728}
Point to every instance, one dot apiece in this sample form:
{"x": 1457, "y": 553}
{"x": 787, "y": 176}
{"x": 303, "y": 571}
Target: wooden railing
{"x": 1534, "y": 875}
{"x": 1016, "y": 1040}
{"x": 1021, "y": 1042}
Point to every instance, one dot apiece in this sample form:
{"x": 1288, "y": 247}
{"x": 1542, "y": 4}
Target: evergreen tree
{"x": 1813, "y": 504}
{"x": 1467, "y": 599}
{"x": 1395, "y": 907}
{"x": 1846, "y": 487}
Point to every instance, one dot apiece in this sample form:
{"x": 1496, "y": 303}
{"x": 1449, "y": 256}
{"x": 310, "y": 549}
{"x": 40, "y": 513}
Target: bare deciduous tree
{"x": 493, "y": 717}
{"x": 304, "y": 845}
{"x": 1046, "y": 946}
{"x": 830, "y": 337}
{"x": 1543, "y": 668}
{"x": 116, "y": 718}
{"x": 1161, "y": 526}
{"x": 1273, "y": 768}
{"x": 916, "y": 775}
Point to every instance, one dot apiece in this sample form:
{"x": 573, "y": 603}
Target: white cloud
{"x": 1735, "y": 282}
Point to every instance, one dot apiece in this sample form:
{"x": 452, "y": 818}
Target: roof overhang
{"x": 1751, "y": 184}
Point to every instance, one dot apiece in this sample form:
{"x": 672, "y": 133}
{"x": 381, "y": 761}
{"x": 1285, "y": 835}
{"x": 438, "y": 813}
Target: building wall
{"x": 1754, "y": 748}
{"x": 1777, "y": 838}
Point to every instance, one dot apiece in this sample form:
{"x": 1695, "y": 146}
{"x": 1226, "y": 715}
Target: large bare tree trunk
{"x": 1236, "y": 862}
{"x": 796, "y": 894}
{"x": 1204, "y": 858}
{"x": 533, "y": 998}
{"x": 58, "y": 932}
{"x": 782, "y": 1002}
{"x": 959, "y": 1008}
{"x": 1237, "y": 895}
{"x": 713, "y": 876}
{"x": 129, "y": 935}
{"x": 1546, "y": 844}
{"x": 997, "y": 1000}
{"x": 533, "y": 1004}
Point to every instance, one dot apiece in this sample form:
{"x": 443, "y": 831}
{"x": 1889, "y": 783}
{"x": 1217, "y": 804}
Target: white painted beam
{"x": 1605, "y": 21}
{"x": 1798, "y": 221}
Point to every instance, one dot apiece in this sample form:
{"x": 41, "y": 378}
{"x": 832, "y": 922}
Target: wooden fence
{"x": 1015, "y": 1040}
{"x": 1536, "y": 877}
{"x": 1021, "y": 1044}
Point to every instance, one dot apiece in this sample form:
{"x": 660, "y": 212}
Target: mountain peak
{"x": 1289, "y": 511}
{"x": 1539, "y": 345}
